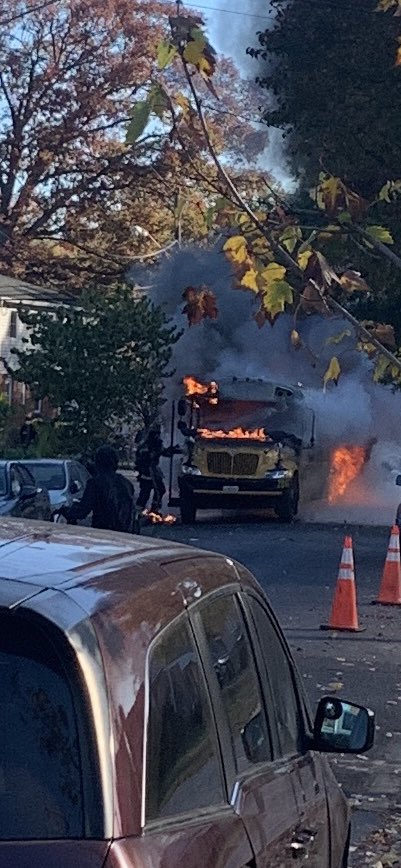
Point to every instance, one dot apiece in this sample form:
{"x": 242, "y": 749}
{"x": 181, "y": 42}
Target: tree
{"x": 101, "y": 362}
{"x": 331, "y": 85}
{"x": 272, "y": 253}
{"x": 74, "y": 197}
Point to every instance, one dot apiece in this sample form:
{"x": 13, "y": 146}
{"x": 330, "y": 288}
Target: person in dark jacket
{"x": 149, "y": 450}
{"x": 108, "y": 496}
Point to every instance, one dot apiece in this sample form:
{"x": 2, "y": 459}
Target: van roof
{"x": 96, "y": 567}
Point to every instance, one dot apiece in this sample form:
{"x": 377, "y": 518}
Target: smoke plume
{"x": 356, "y": 411}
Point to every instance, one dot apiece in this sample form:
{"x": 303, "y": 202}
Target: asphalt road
{"x": 297, "y": 567}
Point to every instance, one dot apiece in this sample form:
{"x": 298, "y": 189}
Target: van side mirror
{"x": 398, "y": 479}
{"x": 343, "y": 727}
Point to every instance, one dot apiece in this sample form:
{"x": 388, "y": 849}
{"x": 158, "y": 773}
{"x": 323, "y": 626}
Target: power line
{"x": 228, "y": 11}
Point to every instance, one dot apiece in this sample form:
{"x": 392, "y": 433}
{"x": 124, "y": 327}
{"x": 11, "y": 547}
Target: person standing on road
{"x": 108, "y": 495}
{"x": 149, "y": 450}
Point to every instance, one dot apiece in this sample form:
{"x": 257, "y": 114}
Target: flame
{"x": 346, "y": 464}
{"x": 234, "y": 434}
{"x": 193, "y": 387}
{"x": 156, "y": 518}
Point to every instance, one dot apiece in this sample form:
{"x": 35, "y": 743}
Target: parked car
{"x": 65, "y": 479}
{"x": 152, "y": 714}
{"x": 20, "y": 496}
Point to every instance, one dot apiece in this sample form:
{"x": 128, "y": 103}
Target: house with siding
{"x": 13, "y": 293}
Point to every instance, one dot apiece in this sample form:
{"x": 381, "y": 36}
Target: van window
{"x": 286, "y": 710}
{"x": 183, "y": 771}
{"x": 40, "y": 771}
{"x": 232, "y": 660}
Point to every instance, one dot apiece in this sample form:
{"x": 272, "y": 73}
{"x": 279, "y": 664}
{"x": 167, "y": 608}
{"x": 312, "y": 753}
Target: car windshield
{"x": 40, "y": 761}
{"x": 49, "y": 475}
{"x": 3, "y": 481}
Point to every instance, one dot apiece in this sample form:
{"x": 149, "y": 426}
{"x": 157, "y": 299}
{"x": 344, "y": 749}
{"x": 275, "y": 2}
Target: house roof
{"x": 13, "y": 291}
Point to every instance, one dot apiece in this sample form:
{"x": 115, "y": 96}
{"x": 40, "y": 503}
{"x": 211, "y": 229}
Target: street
{"x": 297, "y": 566}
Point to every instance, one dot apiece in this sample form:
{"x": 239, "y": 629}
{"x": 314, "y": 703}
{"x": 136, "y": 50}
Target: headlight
{"x": 191, "y": 471}
{"x": 278, "y": 474}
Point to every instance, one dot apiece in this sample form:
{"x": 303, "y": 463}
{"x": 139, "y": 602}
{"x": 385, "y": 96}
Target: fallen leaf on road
{"x": 335, "y": 685}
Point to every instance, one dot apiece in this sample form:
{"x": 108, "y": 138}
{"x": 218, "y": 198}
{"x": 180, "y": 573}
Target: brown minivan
{"x": 152, "y": 715}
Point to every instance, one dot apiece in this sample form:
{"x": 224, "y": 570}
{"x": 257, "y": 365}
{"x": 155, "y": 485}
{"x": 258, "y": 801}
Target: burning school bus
{"x": 248, "y": 444}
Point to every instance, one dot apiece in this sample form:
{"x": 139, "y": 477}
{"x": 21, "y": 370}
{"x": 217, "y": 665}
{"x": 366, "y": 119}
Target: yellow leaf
{"x": 296, "y": 339}
{"x": 205, "y": 68}
{"x": 333, "y": 372}
{"x": 336, "y": 339}
{"x": 333, "y": 686}
{"x": 183, "y": 103}
{"x": 193, "y": 51}
{"x": 290, "y": 237}
{"x": 380, "y": 369}
{"x": 275, "y": 297}
{"x": 352, "y": 281}
{"x": 272, "y": 272}
{"x": 236, "y": 249}
{"x": 249, "y": 280}
{"x": 380, "y": 233}
{"x": 303, "y": 258}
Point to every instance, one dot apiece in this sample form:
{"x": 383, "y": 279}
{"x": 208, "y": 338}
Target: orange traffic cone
{"x": 390, "y": 588}
{"x": 344, "y": 615}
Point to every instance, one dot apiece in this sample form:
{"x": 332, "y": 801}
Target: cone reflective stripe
{"x": 344, "y": 614}
{"x": 390, "y": 588}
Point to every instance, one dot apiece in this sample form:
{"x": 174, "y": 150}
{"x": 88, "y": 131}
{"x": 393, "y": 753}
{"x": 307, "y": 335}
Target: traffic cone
{"x": 344, "y": 615}
{"x": 390, "y": 588}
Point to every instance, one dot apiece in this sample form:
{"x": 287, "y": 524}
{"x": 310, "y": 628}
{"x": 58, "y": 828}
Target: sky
{"x": 232, "y": 26}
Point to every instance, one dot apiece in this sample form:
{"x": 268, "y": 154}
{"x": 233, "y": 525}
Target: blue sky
{"x": 232, "y": 26}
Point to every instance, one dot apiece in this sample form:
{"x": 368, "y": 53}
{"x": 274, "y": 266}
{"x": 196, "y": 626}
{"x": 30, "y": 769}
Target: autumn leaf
{"x": 385, "y": 5}
{"x": 336, "y": 339}
{"x": 200, "y": 304}
{"x": 311, "y": 299}
{"x": 333, "y": 372}
{"x": 352, "y": 281}
{"x": 389, "y": 191}
{"x": 383, "y": 332}
{"x": 380, "y": 369}
{"x": 275, "y": 297}
{"x": 380, "y": 233}
{"x": 333, "y": 196}
{"x": 236, "y": 248}
{"x": 272, "y": 273}
{"x": 139, "y": 119}
{"x": 158, "y": 101}
{"x": 290, "y": 237}
{"x": 296, "y": 339}
{"x": 303, "y": 258}
{"x": 250, "y": 280}
{"x": 165, "y": 54}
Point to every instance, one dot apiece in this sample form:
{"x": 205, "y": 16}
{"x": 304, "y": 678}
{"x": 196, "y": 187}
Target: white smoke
{"x": 356, "y": 411}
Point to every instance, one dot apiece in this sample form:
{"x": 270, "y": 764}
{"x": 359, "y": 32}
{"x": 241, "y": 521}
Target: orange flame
{"x": 193, "y": 387}
{"x": 234, "y": 434}
{"x": 346, "y": 464}
{"x": 156, "y": 518}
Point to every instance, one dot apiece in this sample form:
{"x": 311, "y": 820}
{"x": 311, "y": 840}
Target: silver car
{"x": 64, "y": 479}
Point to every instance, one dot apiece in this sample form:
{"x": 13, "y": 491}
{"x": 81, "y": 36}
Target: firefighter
{"x": 149, "y": 450}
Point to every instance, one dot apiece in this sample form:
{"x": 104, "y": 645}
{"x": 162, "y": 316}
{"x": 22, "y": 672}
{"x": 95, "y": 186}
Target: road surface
{"x": 297, "y": 567}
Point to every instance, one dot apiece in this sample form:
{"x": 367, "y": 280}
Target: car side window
{"x": 281, "y": 677}
{"x": 231, "y": 657}
{"x": 183, "y": 768}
